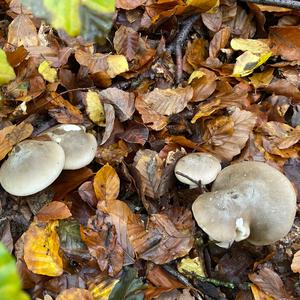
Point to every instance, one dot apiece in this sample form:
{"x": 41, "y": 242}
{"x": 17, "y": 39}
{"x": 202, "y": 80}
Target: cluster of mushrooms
{"x": 33, "y": 165}
{"x": 248, "y": 200}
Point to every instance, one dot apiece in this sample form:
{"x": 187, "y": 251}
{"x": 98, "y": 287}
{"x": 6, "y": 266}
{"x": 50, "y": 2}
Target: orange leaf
{"x": 107, "y": 183}
{"x": 296, "y": 262}
{"x": 75, "y": 294}
{"x": 258, "y": 294}
{"x": 55, "y": 210}
{"x": 41, "y": 249}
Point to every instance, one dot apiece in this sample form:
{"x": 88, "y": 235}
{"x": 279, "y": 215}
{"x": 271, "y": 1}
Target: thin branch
{"x": 283, "y": 3}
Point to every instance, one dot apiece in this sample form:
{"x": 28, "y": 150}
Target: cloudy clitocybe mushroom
{"x": 248, "y": 200}
{"x": 31, "y": 166}
{"x": 202, "y": 168}
{"x": 79, "y": 147}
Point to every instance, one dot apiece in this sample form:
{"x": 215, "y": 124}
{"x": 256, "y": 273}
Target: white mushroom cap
{"x": 31, "y": 166}
{"x": 249, "y": 200}
{"x": 80, "y": 147}
{"x": 201, "y": 167}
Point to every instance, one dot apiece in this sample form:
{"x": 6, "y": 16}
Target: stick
{"x": 283, "y": 3}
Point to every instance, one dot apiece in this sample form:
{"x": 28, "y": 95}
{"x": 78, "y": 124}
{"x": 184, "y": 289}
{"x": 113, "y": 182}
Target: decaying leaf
{"x": 74, "y": 294}
{"x": 191, "y": 266}
{"x": 262, "y": 79}
{"x": 219, "y": 41}
{"x": 258, "y": 294}
{"x": 296, "y": 262}
{"x": 102, "y": 290}
{"x": 129, "y": 4}
{"x": 41, "y": 249}
{"x": 55, "y": 210}
{"x": 169, "y": 101}
{"x": 106, "y": 183}
{"x": 117, "y": 64}
{"x": 94, "y": 108}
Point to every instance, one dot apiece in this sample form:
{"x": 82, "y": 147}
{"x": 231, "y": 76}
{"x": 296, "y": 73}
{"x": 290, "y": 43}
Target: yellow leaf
{"x": 262, "y": 79}
{"x": 204, "y": 5}
{"x": 48, "y": 73}
{"x": 195, "y": 74}
{"x": 248, "y": 62}
{"x": 117, "y": 64}
{"x": 7, "y": 73}
{"x": 75, "y": 294}
{"x": 41, "y": 249}
{"x": 254, "y": 46}
{"x": 189, "y": 265}
{"x": 258, "y": 294}
{"x": 102, "y": 290}
{"x": 107, "y": 183}
{"x": 94, "y": 108}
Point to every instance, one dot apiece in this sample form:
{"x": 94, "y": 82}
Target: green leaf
{"x": 91, "y": 18}
{"x": 130, "y": 287}
{"x": 7, "y": 73}
{"x": 10, "y": 283}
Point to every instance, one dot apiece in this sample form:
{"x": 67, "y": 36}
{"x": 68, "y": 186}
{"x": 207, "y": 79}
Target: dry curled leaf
{"x": 41, "y": 249}
{"x": 55, "y": 210}
{"x": 106, "y": 184}
{"x": 94, "y": 108}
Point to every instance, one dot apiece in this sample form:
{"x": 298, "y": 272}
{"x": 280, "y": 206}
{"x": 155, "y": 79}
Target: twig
{"x": 178, "y": 43}
{"x": 215, "y": 282}
{"x": 283, "y": 3}
{"x": 189, "y": 178}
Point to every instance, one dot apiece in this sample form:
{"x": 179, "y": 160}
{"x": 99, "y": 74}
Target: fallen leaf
{"x": 112, "y": 154}
{"x": 219, "y": 41}
{"x": 168, "y": 101}
{"x": 75, "y": 294}
{"x": 106, "y": 184}
{"x": 149, "y": 116}
{"x": 94, "y": 62}
{"x": 258, "y": 294}
{"x": 41, "y": 249}
{"x": 129, "y": 4}
{"x": 101, "y": 239}
{"x": 135, "y": 133}
{"x": 103, "y": 289}
{"x": 22, "y": 32}
{"x": 191, "y": 266}
{"x": 262, "y": 79}
{"x": 109, "y": 122}
{"x": 122, "y": 101}
{"x": 94, "y": 108}
{"x": 48, "y": 73}
{"x": 203, "y": 5}
{"x": 117, "y": 64}
{"x": 196, "y": 52}
{"x": 54, "y": 211}
{"x": 12, "y": 135}
{"x": 270, "y": 283}
{"x": 126, "y": 41}
{"x": 296, "y": 262}
{"x": 254, "y": 46}
{"x": 7, "y": 73}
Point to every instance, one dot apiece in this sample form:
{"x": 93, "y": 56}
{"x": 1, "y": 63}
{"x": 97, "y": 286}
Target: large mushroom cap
{"x": 31, "y": 167}
{"x": 248, "y": 199}
{"x": 80, "y": 147}
{"x": 201, "y": 167}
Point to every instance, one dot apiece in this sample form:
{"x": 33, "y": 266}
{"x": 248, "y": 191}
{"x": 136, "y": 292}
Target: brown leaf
{"x": 75, "y": 294}
{"x": 12, "y": 135}
{"x": 106, "y": 184}
{"x": 101, "y": 239}
{"x": 226, "y": 136}
{"x": 270, "y": 283}
{"x": 258, "y": 294}
{"x": 22, "y": 31}
{"x": 135, "y": 133}
{"x": 204, "y": 86}
{"x": 63, "y": 111}
{"x": 112, "y": 154}
{"x": 126, "y": 41}
{"x": 196, "y": 53}
{"x": 94, "y": 62}
{"x": 129, "y": 4}
{"x": 69, "y": 180}
{"x": 219, "y": 41}
{"x": 149, "y": 116}
{"x": 285, "y": 41}
{"x": 165, "y": 231}
{"x": 150, "y": 167}
{"x": 109, "y": 122}
{"x": 213, "y": 21}
{"x": 168, "y": 101}
{"x": 55, "y": 210}
{"x": 296, "y": 262}
{"x": 87, "y": 194}
{"x": 122, "y": 101}
{"x": 17, "y": 56}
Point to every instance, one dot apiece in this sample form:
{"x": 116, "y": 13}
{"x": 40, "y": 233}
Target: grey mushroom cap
{"x": 201, "y": 167}
{"x": 249, "y": 200}
{"x": 31, "y": 166}
{"x": 80, "y": 147}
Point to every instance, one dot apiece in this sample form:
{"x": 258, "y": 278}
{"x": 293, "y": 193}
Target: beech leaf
{"x": 7, "y": 73}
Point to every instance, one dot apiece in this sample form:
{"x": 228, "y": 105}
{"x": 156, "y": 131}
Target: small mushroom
{"x": 248, "y": 200}
{"x": 80, "y": 147}
{"x": 31, "y": 166}
{"x": 202, "y": 168}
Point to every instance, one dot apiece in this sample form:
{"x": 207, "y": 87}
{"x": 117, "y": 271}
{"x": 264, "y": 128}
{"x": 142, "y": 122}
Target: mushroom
{"x": 202, "y": 168}
{"x": 248, "y": 200}
{"x": 31, "y": 166}
{"x": 80, "y": 147}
